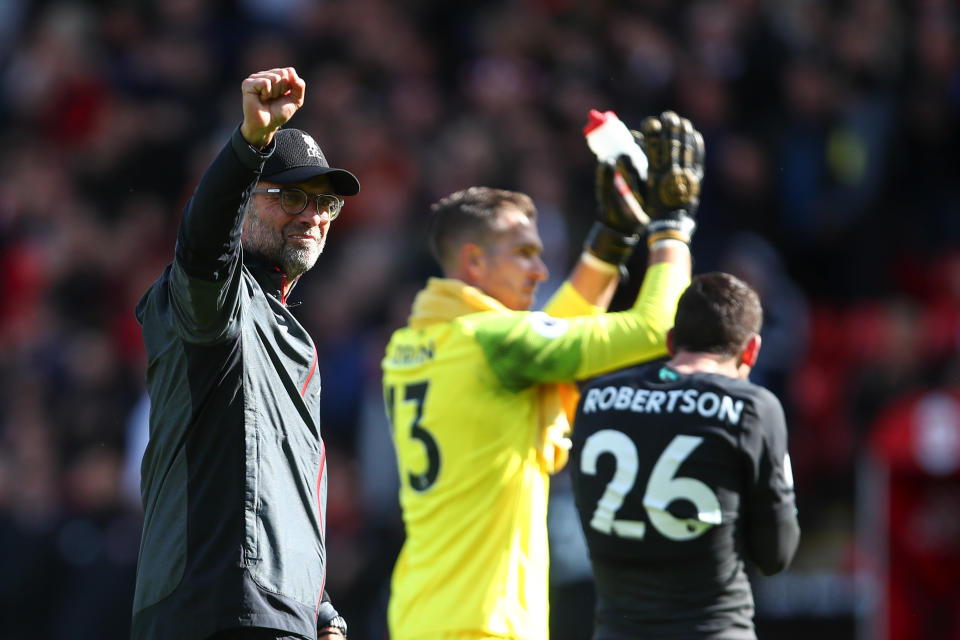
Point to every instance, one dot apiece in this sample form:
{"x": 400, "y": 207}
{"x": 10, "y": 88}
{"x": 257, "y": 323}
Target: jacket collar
{"x": 269, "y": 275}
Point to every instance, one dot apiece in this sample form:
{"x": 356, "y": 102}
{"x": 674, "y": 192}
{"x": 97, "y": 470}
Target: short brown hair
{"x": 470, "y": 215}
{"x": 718, "y": 313}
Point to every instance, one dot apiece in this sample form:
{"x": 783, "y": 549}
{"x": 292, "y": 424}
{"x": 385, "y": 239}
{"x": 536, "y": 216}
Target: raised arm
{"x": 204, "y": 276}
{"x": 538, "y": 348}
{"x": 659, "y": 200}
{"x": 209, "y": 236}
{"x": 270, "y": 98}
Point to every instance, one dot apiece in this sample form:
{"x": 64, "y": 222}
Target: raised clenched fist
{"x": 270, "y": 98}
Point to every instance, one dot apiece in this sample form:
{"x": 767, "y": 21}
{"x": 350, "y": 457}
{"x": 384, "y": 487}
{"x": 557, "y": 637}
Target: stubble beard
{"x": 261, "y": 238}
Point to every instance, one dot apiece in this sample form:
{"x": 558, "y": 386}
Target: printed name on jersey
{"x": 406, "y": 355}
{"x": 707, "y": 404}
{"x": 548, "y": 326}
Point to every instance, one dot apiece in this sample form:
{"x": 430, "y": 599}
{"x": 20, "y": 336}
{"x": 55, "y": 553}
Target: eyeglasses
{"x": 294, "y": 200}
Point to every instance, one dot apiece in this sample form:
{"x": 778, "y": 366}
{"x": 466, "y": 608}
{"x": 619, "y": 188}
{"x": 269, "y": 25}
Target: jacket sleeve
{"x": 327, "y": 615}
{"x": 204, "y": 280}
{"x": 527, "y": 348}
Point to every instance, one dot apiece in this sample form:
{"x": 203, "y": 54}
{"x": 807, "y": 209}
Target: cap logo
{"x": 312, "y": 149}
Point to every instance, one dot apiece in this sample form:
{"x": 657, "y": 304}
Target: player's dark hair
{"x": 470, "y": 215}
{"x": 718, "y": 313}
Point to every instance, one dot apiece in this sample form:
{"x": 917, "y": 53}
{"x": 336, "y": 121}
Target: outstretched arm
{"x": 208, "y": 242}
{"x": 209, "y": 236}
{"x": 660, "y": 200}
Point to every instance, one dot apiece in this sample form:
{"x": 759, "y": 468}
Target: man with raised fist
{"x": 234, "y": 478}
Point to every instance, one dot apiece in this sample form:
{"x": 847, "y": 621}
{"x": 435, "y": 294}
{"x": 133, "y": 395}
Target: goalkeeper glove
{"x": 675, "y": 151}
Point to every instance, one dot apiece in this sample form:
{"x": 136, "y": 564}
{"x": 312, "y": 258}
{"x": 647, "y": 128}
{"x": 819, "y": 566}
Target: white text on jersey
{"x": 406, "y": 355}
{"x": 707, "y": 404}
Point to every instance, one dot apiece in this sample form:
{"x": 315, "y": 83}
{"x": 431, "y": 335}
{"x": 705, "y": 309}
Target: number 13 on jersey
{"x": 663, "y": 487}
{"x": 414, "y": 394}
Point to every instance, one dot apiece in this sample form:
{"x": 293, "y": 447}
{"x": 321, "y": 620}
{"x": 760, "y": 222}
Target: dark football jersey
{"x": 673, "y": 475}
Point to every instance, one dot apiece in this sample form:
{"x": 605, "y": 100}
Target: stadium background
{"x": 832, "y": 186}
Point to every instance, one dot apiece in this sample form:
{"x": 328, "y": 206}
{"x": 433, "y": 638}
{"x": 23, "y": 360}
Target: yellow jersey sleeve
{"x": 533, "y": 347}
{"x": 567, "y": 302}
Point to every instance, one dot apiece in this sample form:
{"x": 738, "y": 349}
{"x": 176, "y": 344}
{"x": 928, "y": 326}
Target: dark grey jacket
{"x": 234, "y": 480}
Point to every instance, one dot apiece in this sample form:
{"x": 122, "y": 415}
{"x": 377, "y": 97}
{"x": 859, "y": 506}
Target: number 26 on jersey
{"x": 663, "y": 487}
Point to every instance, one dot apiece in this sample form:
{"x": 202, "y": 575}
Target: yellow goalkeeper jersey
{"x": 476, "y": 419}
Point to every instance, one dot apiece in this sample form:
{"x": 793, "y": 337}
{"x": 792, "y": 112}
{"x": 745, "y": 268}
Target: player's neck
{"x": 699, "y": 362}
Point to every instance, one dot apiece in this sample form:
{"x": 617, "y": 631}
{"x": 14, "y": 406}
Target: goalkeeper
{"x": 478, "y": 390}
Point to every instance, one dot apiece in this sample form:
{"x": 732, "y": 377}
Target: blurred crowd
{"x": 831, "y": 185}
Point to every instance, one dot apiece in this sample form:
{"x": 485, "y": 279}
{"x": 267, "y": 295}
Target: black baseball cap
{"x": 297, "y": 158}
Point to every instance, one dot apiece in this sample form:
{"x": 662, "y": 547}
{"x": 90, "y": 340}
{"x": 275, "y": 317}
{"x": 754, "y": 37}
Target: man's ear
{"x": 670, "y": 348}
{"x": 472, "y": 262}
{"x": 751, "y": 351}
